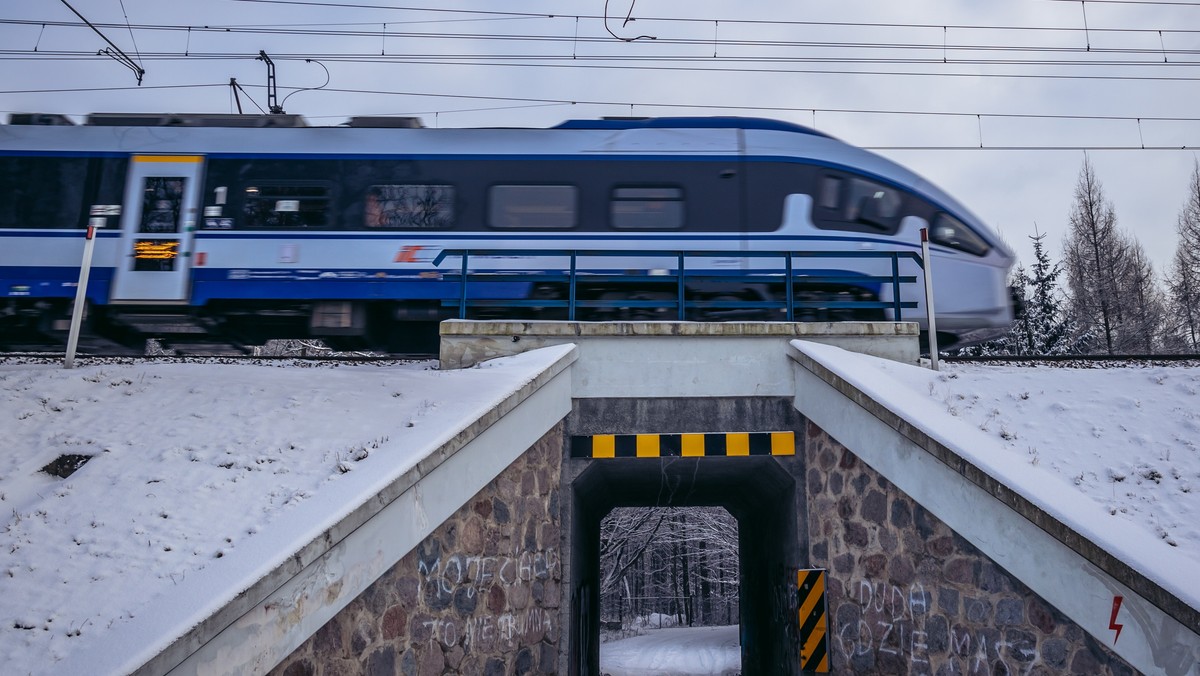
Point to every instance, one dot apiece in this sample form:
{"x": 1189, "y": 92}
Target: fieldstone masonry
{"x": 479, "y": 596}
{"x": 906, "y": 595}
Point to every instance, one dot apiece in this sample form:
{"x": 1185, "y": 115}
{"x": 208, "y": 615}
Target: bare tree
{"x": 625, "y": 534}
{"x": 1183, "y": 281}
{"x": 680, "y": 562}
{"x": 1096, "y": 256}
{"x": 1146, "y": 311}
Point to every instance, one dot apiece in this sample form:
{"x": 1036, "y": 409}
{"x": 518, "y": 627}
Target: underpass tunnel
{"x": 762, "y": 493}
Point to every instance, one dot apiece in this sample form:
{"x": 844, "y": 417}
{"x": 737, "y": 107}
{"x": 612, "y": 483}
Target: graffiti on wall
{"x": 881, "y": 622}
{"x": 488, "y": 632}
{"x": 506, "y": 588}
{"x": 446, "y": 575}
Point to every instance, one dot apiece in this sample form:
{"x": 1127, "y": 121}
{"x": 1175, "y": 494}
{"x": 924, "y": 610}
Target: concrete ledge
{"x": 675, "y": 352}
{"x": 1071, "y": 572}
{"x": 271, "y": 618}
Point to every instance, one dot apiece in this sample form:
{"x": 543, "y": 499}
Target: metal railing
{"x": 787, "y": 274}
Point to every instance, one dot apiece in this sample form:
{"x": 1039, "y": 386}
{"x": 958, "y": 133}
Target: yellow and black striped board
{"x": 683, "y": 445}
{"x": 814, "y": 656}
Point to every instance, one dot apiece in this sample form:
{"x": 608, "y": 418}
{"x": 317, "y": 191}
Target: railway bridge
{"x": 483, "y": 559}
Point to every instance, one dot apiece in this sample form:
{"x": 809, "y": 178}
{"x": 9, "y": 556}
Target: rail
{"x": 678, "y": 277}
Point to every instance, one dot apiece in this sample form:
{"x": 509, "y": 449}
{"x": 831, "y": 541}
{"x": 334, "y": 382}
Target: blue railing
{"x": 787, "y": 274}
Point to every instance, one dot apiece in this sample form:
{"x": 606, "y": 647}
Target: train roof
{"x": 217, "y": 134}
{"x": 657, "y": 138}
{"x": 393, "y": 122}
{"x": 690, "y": 123}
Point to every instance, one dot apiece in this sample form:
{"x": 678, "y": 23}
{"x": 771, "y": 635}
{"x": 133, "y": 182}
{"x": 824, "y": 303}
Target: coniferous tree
{"x": 1042, "y": 324}
{"x": 1046, "y": 324}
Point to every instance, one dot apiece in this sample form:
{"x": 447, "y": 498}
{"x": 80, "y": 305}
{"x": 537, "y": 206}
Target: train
{"x": 260, "y": 227}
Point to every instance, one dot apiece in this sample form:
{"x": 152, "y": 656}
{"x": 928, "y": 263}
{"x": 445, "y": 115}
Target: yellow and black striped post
{"x": 814, "y": 655}
{"x": 683, "y": 445}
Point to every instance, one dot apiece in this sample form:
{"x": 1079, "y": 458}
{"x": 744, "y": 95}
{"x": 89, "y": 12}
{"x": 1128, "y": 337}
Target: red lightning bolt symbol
{"x": 1112, "y": 621}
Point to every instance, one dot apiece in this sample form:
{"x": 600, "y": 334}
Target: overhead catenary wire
{"x": 772, "y": 21}
{"x": 132, "y": 39}
{"x": 1011, "y": 61}
{"x": 943, "y": 47}
{"x": 757, "y": 65}
{"x": 369, "y": 30}
{"x": 112, "y": 50}
{"x": 530, "y": 102}
{"x": 935, "y": 51}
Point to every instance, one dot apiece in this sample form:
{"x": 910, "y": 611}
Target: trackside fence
{"x": 481, "y": 270}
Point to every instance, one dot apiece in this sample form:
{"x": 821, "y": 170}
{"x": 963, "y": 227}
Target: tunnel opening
{"x": 762, "y": 494}
{"x": 672, "y": 569}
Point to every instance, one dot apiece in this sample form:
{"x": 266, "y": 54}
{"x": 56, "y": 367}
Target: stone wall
{"x": 479, "y": 596}
{"x": 906, "y": 595}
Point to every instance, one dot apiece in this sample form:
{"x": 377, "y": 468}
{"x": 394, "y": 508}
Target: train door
{"x": 157, "y": 224}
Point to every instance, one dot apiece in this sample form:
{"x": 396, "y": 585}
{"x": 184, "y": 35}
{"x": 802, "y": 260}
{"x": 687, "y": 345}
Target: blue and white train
{"x": 253, "y": 224}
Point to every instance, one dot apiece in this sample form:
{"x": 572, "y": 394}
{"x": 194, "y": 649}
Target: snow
{"x": 204, "y": 476}
{"x": 679, "y": 651}
{"x": 1112, "y": 452}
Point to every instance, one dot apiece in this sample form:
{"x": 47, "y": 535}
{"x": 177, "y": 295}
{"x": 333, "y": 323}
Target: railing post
{"x": 933, "y": 345}
{"x": 790, "y": 292}
{"x": 571, "y": 290}
{"x": 462, "y": 289}
{"x": 681, "y": 287}
{"x": 896, "y": 286}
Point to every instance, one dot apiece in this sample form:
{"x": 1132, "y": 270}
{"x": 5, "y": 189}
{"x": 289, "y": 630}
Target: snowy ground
{"x": 682, "y": 651}
{"x": 202, "y": 477}
{"x": 205, "y": 473}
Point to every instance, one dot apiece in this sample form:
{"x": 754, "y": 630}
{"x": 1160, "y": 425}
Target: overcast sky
{"x": 995, "y": 72}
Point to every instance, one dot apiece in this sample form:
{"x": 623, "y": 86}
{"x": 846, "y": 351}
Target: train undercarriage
{"x": 408, "y": 326}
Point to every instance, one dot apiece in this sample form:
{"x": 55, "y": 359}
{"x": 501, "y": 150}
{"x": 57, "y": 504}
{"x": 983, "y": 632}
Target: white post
{"x": 89, "y": 244}
{"x": 932, "y": 322}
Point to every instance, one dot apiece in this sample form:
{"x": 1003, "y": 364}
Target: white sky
{"x": 207, "y": 475}
{"x": 1012, "y": 190}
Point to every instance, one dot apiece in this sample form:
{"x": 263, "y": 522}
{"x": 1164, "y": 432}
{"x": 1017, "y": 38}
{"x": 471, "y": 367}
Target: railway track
{"x": 13, "y": 358}
{"x": 1081, "y": 361}
{"x": 198, "y": 353}
{"x": 49, "y": 348}
{"x": 99, "y": 350}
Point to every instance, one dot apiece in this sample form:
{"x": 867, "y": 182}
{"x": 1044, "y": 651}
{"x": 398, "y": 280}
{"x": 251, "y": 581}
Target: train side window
{"x": 42, "y": 192}
{"x": 410, "y": 206}
{"x": 831, "y": 192}
{"x": 872, "y": 203}
{"x": 949, "y": 231}
{"x": 646, "y": 208}
{"x": 534, "y": 207}
{"x": 856, "y": 204}
{"x": 288, "y": 206}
